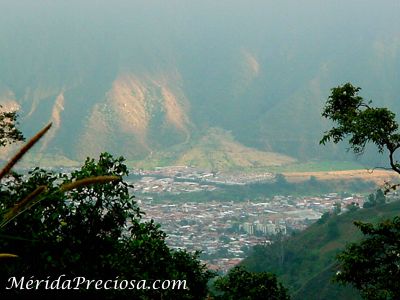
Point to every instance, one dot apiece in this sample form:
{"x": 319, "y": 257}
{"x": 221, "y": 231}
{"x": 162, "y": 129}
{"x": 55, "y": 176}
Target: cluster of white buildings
{"x": 224, "y": 231}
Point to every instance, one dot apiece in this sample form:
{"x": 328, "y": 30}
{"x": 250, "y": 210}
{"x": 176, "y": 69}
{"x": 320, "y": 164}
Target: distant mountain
{"x": 305, "y": 262}
{"x": 143, "y": 79}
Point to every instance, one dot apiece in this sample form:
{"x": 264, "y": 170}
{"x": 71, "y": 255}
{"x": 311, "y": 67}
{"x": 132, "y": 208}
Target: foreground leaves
{"x": 88, "y": 224}
{"x": 373, "y": 265}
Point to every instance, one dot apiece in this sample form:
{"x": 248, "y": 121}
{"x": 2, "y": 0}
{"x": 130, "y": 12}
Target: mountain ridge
{"x": 262, "y": 74}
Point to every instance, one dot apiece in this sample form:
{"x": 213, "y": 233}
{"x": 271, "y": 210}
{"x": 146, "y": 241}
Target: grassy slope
{"x": 217, "y": 150}
{"x": 309, "y": 256}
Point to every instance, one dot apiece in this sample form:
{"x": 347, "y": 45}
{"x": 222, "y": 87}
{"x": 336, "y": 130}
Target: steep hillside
{"x": 139, "y": 114}
{"x": 306, "y": 262}
{"x": 148, "y": 78}
{"x": 216, "y": 150}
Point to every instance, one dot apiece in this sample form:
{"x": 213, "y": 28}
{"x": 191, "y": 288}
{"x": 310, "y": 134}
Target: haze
{"x": 258, "y": 72}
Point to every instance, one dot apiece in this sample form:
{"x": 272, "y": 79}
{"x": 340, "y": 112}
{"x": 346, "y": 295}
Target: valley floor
{"x": 377, "y": 176}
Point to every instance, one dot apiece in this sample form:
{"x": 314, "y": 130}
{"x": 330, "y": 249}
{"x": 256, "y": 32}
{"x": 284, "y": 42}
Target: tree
{"x": 93, "y": 231}
{"x": 85, "y": 224}
{"x": 370, "y": 202}
{"x": 337, "y": 208}
{"x": 372, "y": 265}
{"x": 362, "y": 123}
{"x": 239, "y": 284}
{"x": 324, "y": 218}
{"x": 313, "y": 181}
{"x": 280, "y": 180}
{"x": 9, "y": 133}
{"x": 378, "y": 198}
{"x": 353, "y": 206}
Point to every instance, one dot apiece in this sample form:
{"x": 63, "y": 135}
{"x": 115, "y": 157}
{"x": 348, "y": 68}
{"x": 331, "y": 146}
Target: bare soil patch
{"x": 377, "y": 176}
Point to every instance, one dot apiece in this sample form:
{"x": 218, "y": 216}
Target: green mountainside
{"x": 150, "y": 80}
{"x": 216, "y": 150}
{"x": 305, "y": 262}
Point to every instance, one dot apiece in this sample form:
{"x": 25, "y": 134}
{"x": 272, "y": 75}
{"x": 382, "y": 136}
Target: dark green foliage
{"x": 9, "y": 133}
{"x": 360, "y": 122}
{"x": 280, "y": 180}
{"x": 240, "y": 284}
{"x": 332, "y": 230}
{"x": 325, "y": 217}
{"x": 371, "y": 201}
{"x": 378, "y": 198}
{"x": 309, "y": 257}
{"x": 321, "y": 287}
{"x": 372, "y": 265}
{"x": 353, "y": 206}
{"x": 94, "y": 231}
{"x": 313, "y": 181}
{"x": 337, "y": 208}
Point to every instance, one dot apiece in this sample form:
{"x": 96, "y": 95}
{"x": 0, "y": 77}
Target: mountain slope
{"x": 139, "y": 114}
{"x": 146, "y": 78}
{"x": 308, "y": 260}
{"x": 218, "y": 150}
